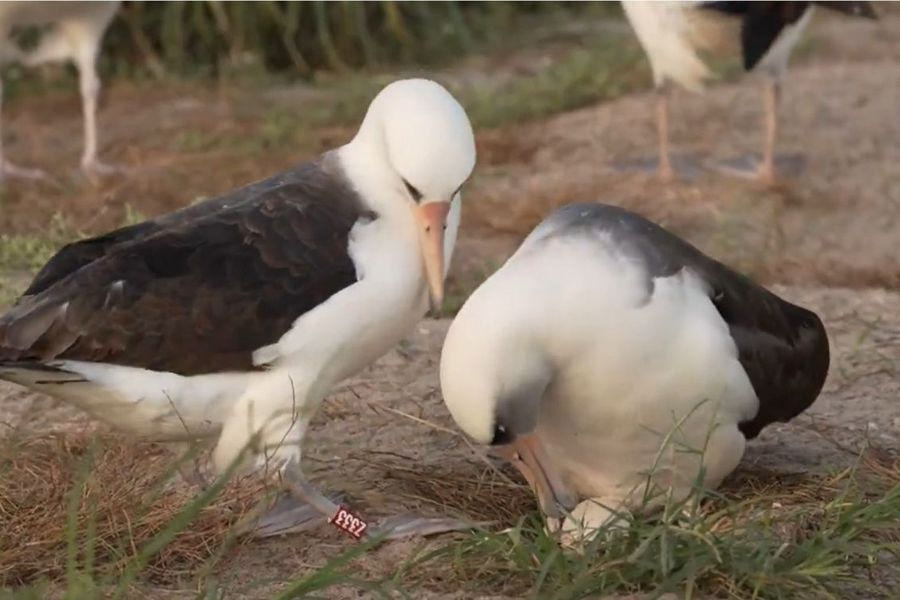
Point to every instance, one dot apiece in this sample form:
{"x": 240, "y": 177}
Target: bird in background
{"x": 679, "y": 38}
{"x": 235, "y": 317}
{"x": 72, "y": 31}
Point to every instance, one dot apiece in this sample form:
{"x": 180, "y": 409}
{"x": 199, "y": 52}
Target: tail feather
{"x": 33, "y": 373}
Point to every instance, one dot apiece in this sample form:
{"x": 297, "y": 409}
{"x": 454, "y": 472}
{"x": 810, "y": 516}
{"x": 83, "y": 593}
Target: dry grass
{"x": 103, "y": 499}
{"x": 78, "y": 501}
{"x": 496, "y": 497}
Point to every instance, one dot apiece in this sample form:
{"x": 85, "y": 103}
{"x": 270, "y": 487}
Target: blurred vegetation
{"x": 212, "y": 38}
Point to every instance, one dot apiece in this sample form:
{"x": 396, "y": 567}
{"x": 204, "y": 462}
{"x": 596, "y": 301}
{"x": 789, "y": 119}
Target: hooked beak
{"x": 431, "y": 218}
{"x": 527, "y": 454}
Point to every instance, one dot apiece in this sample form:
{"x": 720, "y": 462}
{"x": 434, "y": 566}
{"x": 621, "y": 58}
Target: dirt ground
{"x": 827, "y": 237}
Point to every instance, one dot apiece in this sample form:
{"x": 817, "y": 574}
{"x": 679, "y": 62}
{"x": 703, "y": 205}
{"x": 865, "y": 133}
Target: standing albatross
{"x": 75, "y": 32}
{"x": 609, "y": 359}
{"x": 677, "y": 36}
{"x": 236, "y": 316}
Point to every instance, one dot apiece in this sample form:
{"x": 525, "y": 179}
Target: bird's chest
{"x": 665, "y": 373}
{"x": 389, "y": 297}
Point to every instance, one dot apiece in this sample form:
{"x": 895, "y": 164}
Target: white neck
{"x": 370, "y": 174}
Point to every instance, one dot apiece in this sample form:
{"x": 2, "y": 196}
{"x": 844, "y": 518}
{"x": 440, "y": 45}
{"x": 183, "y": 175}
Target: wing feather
{"x": 198, "y": 290}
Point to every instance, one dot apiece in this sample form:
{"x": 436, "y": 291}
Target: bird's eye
{"x": 416, "y": 194}
{"x": 502, "y": 435}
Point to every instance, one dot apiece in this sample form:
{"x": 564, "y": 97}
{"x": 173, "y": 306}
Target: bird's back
{"x": 783, "y": 348}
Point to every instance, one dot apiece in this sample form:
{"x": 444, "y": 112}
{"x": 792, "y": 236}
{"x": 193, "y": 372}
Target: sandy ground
{"x": 826, "y": 238}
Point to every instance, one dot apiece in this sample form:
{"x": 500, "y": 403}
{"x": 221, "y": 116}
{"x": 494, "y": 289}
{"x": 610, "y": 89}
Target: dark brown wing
{"x": 72, "y": 257}
{"x": 782, "y": 347}
{"x": 198, "y": 290}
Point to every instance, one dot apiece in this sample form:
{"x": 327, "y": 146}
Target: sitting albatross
{"x": 76, "y": 30}
{"x": 608, "y": 358}
{"x": 678, "y": 35}
{"x": 237, "y": 315}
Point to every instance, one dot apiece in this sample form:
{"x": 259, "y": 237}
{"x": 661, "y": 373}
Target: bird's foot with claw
{"x": 12, "y": 170}
{"x": 292, "y": 516}
{"x": 751, "y": 167}
{"x": 590, "y": 519}
{"x": 95, "y": 170}
{"x": 680, "y": 168}
{"x": 288, "y": 515}
{"x": 401, "y": 526}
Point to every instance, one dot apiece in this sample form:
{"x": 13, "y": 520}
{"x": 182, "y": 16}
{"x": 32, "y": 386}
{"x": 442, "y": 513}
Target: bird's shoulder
{"x": 782, "y": 347}
{"x": 314, "y": 193}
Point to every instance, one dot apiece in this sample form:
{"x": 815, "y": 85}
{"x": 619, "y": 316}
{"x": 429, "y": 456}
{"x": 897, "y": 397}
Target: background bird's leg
{"x": 662, "y": 126}
{"x": 89, "y": 84}
{"x": 7, "y": 168}
{"x": 86, "y": 45}
{"x": 771, "y": 92}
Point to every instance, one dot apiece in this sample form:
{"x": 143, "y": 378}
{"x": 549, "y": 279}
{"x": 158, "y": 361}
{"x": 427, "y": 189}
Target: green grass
{"x": 766, "y": 546}
{"x": 595, "y": 70}
{"x": 32, "y": 251}
{"x": 824, "y": 536}
{"x": 22, "y": 255}
{"x": 678, "y": 552}
{"x": 599, "y": 70}
{"x": 608, "y": 68}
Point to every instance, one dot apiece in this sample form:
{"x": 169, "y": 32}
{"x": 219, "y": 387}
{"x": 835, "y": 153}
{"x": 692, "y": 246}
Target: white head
{"x": 425, "y": 141}
{"x": 494, "y": 375}
{"x": 494, "y": 370}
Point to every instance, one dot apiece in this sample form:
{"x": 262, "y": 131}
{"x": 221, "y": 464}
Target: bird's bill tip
{"x": 530, "y": 457}
{"x": 432, "y": 220}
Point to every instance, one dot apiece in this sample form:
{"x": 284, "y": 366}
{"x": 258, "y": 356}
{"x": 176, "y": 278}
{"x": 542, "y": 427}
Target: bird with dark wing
{"x": 236, "y": 316}
{"x": 677, "y": 37}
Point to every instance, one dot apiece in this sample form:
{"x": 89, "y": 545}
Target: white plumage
{"x": 603, "y": 360}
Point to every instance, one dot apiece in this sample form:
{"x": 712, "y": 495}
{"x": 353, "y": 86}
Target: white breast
{"x": 631, "y": 369}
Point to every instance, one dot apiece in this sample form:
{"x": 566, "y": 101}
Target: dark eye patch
{"x": 416, "y": 194}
